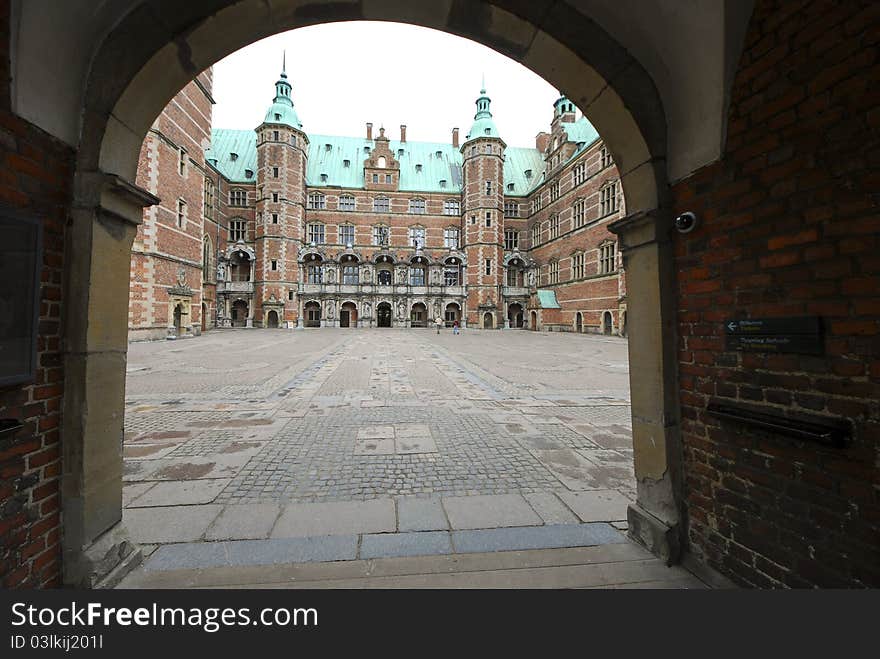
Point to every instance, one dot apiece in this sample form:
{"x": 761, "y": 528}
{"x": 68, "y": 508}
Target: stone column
{"x": 105, "y": 214}
{"x": 655, "y": 519}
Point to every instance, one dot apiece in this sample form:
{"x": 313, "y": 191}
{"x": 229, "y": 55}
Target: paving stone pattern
{"x": 476, "y": 431}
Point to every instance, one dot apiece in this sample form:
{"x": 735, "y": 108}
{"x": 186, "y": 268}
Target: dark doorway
{"x": 578, "y": 323}
{"x": 607, "y": 323}
{"x": 515, "y": 315}
{"x": 272, "y": 319}
{"x": 348, "y": 315}
{"x": 383, "y": 314}
{"x": 534, "y": 318}
{"x": 488, "y": 322}
{"x": 239, "y": 313}
{"x": 313, "y": 314}
{"x": 178, "y": 314}
{"x": 204, "y": 317}
{"x": 452, "y": 314}
{"x": 419, "y": 315}
{"x": 384, "y": 277}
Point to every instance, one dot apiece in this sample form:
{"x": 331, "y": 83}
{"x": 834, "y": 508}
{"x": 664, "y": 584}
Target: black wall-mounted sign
{"x": 21, "y": 258}
{"x": 801, "y": 335}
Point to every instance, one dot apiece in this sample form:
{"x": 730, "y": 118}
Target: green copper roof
{"x": 547, "y": 300}
{"x": 484, "y": 125}
{"x": 226, "y": 142}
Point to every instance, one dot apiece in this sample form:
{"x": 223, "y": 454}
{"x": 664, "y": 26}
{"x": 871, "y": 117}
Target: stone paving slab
{"x": 408, "y": 430}
{"x": 415, "y": 445}
{"x": 489, "y": 511}
{"x": 530, "y": 537}
{"x": 550, "y": 508}
{"x": 244, "y": 522}
{"x": 375, "y": 432}
{"x": 171, "y": 524}
{"x": 421, "y": 515}
{"x": 423, "y": 543}
{"x": 374, "y": 447}
{"x": 336, "y": 518}
{"x": 597, "y": 505}
{"x": 181, "y": 493}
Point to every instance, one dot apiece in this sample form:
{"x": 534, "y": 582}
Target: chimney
{"x": 542, "y": 141}
{"x": 369, "y": 131}
{"x": 455, "y": 137}
{"x": 402, "y": 133}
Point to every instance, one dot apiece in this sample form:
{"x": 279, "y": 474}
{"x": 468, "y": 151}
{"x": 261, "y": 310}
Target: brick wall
{"x": 790, "y": 227}
{"x": 34, "y": 177}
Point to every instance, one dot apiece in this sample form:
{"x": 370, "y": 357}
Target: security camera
{"x": 686, "y": 222}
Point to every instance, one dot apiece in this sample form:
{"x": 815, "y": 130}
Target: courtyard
{"x": 252, "y": 448}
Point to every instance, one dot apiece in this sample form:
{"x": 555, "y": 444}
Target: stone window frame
{"x": 347, "y": 203}
{"x": 276, "y": 172}
{"x": 488, "y": 220}
{"x": 537, "y": 202}
{"x": 605, "y": 159}
{"x": 181, "y": 214}
{"x": 579, "y": 213}
{"x": 610, "y": 202}
{"x": 412, "y": 230}
{"x": 315, "y": 230}
{"x": 536, "y": 234}
{"x": 317, "y": 201}
{"x": 182, "y": 165}
{"x": 375, "y": 233}
{"x": 579, "y": 174}
{"x": 607, "y": 260}
{"x": 379, "y": 206}
{"x": 315, "y": 273}
{"x": 237, "y": 197}
{"x": 452, "y": 207}
{"x": 351, "y": 274}
{"x": 511, "y": 209}
{"x": 554, "y": 191}
{"x": 555, "y": 224}
{"x": 452, "y": 275}
{"x": 341, "y": 239}
{"x": 208, "y": 270}
{"x": 417, "y": 206}
{"x": 414, "y": 280}
{"x": 273, "y": 265}
{"x": 511, "y": 239}
{"x": 553, "y": 272}
{"x": 487, "y": 267}
{"x": 237, "y": 229}
{"x": 451, "y": 237}
{"x": 208, "y": 199}
{"x": 488, "y": 188}
{"x": 578, "y": 265}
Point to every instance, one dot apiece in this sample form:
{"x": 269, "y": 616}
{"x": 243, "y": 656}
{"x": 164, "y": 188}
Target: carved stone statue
{"x": 331, "y": 275}
{"x": 368, "y": 274}
{"x": 401, "y": 310}
{"x": 331, "y": 310}
{"x": 181, "y": 276}
{"x": 401, "y": 275}
{"x": 221, "y": 272}
{"x": 435, "y": 277}
{"x": 368, "y": 309}
{"x": 436, "y": 308}
{"x": 531, "y": 278}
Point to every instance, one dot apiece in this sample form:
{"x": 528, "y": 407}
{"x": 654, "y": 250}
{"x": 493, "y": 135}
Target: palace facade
{"x": 279, "y": 228}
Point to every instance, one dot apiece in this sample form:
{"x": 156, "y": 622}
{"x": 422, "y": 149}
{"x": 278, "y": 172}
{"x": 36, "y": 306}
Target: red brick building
{"x": 275, "y": 227}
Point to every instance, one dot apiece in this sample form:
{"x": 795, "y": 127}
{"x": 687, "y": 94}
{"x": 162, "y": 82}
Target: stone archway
{"x": 272, "y": 319}
{"x": 348, "y": 315}
{"x": 383, "y": 314}
{"x": 127, "y": 88}
{"x": 488, "y": 321}
{"x": 579, "y": 322}
{"x": 534, "y": 321}
{"x": 607, "y": 323}
{"x": 515, "y": 315}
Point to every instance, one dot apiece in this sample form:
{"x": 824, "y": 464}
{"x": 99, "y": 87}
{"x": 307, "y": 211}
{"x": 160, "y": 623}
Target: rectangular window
{"x": 488, "y": 266}
{"x": 580, "y": 173}
{"x": 375, "y": 178}
{"x": 274, "y": 218}
{"x": 577, "y": 266}
{"x": 450, "y": 237}
{"x": 381, "y": 235}
{"x": 290, "y": 295}
{"x": 181, "y": 213}
{"x": 275, "y": 197}
{"x": 607, "y": 254}
{"x": 554, "y": 272}
{"x": 315, "y": 274}
{"x": 275, "y": 135}
{"x": 511, "y": 239}
{"x": 208, "y": 210}
{"x": 274, "y": 172}
{"x": 350, "y": 275}
{"x": 554, "y": 191}
{"x": 316, "y": 234}
{"x": 346, "y": 203}
{"x": 237, "y": 197}
{"x": 511, "y": 209}
{"x": 317, "y": 201}
{"x": 381, "y": 205}
{"x": 488, "y": 219}
{"x": 417, "y": 206}
{"x": 536, "y": 235}
{"x": 609, "y": 199}
{"x": 605, "y": 157}
{"x": 452, "y": 207}
{"x": 388, "y": 178}
{"x": 513, "y": 277}
{"x": 274, "y": 265}
{"x": 417, "y": 237}
{"x": 473, "y": 219}
{"x": 537, "y": 203}
{"x": 578, "y": 214}
{"x": 554, "y": 227}
{"x": 416, "y": 276}
{"x": 346, "y": 234}
{"x": 181, "y": 161}
{"x": 451, "y": 277}
{"x": 488, "y": 187}
{"x": 237, "y": 230}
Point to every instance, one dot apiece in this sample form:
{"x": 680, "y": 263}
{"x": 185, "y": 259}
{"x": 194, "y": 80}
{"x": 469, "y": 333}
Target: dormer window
{"x": 366, "y": 149}
{"x": 277, "y": 117}
{"x": 442, "y": 182}
{"x": 233, "y": 156}
{"x": 323, "y": 178}
{"x": 418, "y": 168}
{"x": 327, "y": 147}
{"x": 510, "y": 187}
{"x": 439, "y": 154}
{"x": 528, "y": 173}
{"x": 400, "y": 153}
{"x": 346, "y": 163}
{"x": 488, "y": 131}
{"x": 248, "y": 173}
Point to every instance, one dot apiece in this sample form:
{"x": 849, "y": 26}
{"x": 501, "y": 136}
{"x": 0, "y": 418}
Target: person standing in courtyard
{"x": 438, "y": 321}
{"x": 455, "y": 327}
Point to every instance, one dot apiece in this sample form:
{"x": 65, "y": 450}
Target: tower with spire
{"x": 483, "y": 216}
{"x": 282, "y": 153}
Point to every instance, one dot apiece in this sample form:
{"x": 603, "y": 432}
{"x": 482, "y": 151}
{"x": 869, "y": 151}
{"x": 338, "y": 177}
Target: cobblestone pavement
{"x": 263, "y": 421}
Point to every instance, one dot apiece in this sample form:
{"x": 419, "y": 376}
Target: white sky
{"x": 346, "y": 74}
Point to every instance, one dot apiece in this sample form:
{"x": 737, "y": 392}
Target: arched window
{"x": 207, "y": 260}
{"x": 381, "y": 164}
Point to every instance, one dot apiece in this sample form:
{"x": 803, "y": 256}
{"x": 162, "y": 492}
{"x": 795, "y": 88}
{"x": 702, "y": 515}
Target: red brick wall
{"x": 790, "y": 227}
{"x": 34, "y": 177}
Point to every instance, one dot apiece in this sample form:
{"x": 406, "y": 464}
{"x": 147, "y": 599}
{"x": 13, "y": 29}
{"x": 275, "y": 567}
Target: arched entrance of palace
{"x": 452, "y": 314}
{"x": 312, "y": 312}
{"x": 383, "y": 314}
{"x": 178, "y": 315}
{"x": 272, "y": 319}
{"x": 578, "y": 322}
{"x": 348, "y": 315}
{"x": 239, "y": 313}
{"x": 488, "y": 321}
{"x": 607, "y": 323}
{"x": 515, "y": 315}
{"x": 533, "y": 325}
{"x": 419, "y": 315}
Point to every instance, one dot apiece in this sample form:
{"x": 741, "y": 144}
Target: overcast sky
{"x": 346, "y": 74}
